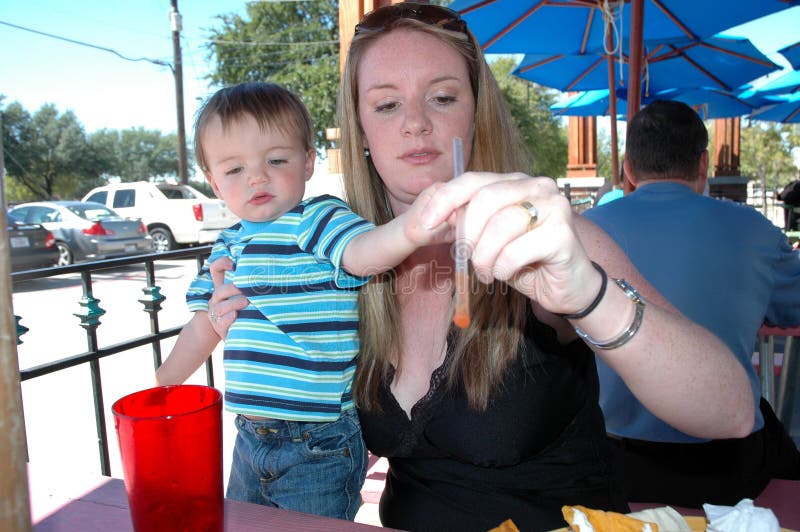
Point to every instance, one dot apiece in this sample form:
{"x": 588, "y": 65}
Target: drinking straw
{"x": 461, "y": 314}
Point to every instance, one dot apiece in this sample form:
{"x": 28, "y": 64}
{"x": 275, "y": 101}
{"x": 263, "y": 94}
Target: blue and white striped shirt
{"x": 291, "y": 353}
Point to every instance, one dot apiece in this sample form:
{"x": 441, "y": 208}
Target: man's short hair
{"x": 665, "y": 141}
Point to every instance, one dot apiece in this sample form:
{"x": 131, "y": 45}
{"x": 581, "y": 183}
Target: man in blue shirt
{"x": 721, "y": 264}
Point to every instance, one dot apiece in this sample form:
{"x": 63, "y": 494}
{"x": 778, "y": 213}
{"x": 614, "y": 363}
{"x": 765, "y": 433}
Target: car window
{"x": 177, "y": 192}
{"x": 15, "y": 218}
{"x": 42, "y": 215}
{"x": 98, "y": 197}
{"x": 92, "y": 211}
{"x": 21, "y": 213}
{"x": 123, "y": 198}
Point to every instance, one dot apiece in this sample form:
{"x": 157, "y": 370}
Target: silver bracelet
{"x": 629, "y": 331}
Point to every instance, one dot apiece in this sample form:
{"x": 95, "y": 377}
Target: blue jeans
{"x": 315, "y": 468}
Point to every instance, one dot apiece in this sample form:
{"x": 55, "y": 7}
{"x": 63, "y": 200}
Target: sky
{"x": 106, "y": 91}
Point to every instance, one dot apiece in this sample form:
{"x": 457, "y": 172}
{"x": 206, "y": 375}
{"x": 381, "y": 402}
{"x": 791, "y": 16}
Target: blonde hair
{"x": 485, "y": 348}
{"x": 272, "y": 106}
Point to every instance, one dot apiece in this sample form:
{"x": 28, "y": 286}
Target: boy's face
{"x": 259, "y": 174}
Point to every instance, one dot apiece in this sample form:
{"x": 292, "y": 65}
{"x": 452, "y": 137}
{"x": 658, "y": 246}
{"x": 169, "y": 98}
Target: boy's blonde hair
{"x": 274, "y": 107}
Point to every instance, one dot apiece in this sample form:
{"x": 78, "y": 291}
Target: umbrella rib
{"x": 512, "y": 25}
{"x": 586, "y": 28}
{"x": 585, "y": 72}
{"x": 537, "y": 64}
{"x": 746, "y": 57}
{"x": 674, "y": 19}
{"x": 702, "y": 69}
{"x": 475, "y": 6}
{"x": 791, "y": 115}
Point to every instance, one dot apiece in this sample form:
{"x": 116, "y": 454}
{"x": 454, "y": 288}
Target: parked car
{"x": 86, "y": 230}
{"x": 174, "y": 214}
{"x": 31, "y": 246}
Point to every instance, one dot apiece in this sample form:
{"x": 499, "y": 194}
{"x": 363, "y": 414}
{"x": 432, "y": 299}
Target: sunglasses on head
{"x": 434, "y": 15}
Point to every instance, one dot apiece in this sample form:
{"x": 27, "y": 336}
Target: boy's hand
{"x": 226, "y": 299}
{"x": 420, "y": 234}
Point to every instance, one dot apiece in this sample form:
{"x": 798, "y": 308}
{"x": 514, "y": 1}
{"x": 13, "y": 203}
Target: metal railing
{"x": 89, "y": 320}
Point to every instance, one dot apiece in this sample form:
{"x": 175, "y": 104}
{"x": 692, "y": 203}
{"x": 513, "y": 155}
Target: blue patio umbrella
{"x": 581, "y": 26}
{"x": 721, "y": 62}
{"x": 578, "y": 26}
{"x": 785, "y": 84}
{"x": 708, "y": 102}
{"x": 787, "y": 111}
{"x": 792, "y": 54}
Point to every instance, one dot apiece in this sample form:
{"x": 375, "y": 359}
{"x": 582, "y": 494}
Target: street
{"x": 59, "y": 417}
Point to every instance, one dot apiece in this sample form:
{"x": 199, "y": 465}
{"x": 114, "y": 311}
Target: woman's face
{"x": 414, "y": 97}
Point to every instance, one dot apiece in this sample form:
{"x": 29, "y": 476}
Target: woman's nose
{"x": 416, "y": 121}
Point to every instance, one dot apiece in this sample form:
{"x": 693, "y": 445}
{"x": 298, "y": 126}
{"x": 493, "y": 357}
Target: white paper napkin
{"x": 744, "y": 517}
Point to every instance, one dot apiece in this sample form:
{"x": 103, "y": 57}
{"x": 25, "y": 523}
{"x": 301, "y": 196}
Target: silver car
{"x": 86, "y": 231}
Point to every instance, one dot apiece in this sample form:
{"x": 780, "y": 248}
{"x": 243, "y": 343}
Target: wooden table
{"x": 780, "y": 496}
{"x": 100, "y": 504}
{"x": 105, "y": 508}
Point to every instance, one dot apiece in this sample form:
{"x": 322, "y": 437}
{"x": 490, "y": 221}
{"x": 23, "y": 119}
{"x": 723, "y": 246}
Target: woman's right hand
{"x": 226, "y": 300}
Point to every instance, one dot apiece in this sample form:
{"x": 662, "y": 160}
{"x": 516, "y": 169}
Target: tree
{"x": 766, "y": 153}
{"x": 48, "y": 155}
{"x": 294, "y": 44}
{"x": 529, "y": 104}
{"x": 46, "y": 152}
{"x": 135, "y": 154}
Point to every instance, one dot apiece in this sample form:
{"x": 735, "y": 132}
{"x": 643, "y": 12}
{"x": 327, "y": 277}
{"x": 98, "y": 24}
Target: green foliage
{"x": 529, "y": 104}
{"x": 135, "y": 154}
{"x": 766, "y": 153}
{"x": 48, "y": 154}
{"x": 294, "y": 44}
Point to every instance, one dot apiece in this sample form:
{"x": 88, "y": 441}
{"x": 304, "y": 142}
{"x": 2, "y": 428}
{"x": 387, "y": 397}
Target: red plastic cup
{"x": 170, "y": 441}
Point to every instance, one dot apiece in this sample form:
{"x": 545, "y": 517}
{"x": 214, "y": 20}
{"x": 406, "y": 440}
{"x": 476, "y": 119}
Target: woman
{"x": 499, "y": 420}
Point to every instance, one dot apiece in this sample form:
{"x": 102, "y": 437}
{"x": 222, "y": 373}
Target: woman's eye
{"x": 444, "y": 100}
{"x": 386, "y": 107}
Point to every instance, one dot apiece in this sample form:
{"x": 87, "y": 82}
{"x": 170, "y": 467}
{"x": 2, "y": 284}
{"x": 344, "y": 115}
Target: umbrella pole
{"x": 612, "y": 106}
{"x": 635, "y": 66}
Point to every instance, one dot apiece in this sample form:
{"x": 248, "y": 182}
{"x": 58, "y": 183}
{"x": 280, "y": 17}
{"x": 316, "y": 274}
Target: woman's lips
{"x": 260, "y": 199}
{"x": 420, "y": 156}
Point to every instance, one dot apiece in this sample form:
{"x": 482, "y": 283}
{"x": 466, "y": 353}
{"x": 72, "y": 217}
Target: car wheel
{"x": 65, "y": 257}
{"x": 162, "y": 240}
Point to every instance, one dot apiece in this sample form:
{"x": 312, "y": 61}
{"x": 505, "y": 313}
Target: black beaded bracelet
{"x": 585, "y": 312}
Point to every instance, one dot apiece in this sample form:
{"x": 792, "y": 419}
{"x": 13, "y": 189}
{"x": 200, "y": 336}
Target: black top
{"x": 539, "y": 445}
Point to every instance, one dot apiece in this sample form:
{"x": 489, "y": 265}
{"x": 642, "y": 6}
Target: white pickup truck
{"x": 174, "y": 214}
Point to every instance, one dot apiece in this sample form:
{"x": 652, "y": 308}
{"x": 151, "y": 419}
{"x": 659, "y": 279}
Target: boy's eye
{"x": 277, "y": 162}
{"x": 234, "y": 171}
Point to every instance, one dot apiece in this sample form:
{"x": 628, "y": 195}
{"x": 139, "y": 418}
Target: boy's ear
{"x": 311, "y": 157}
{"x": 212, "y": 183}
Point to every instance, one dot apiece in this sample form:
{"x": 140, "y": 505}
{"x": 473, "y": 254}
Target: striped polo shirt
{"x": 291, "y": 353}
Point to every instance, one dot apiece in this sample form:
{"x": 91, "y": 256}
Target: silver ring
{"x": 212, "y": 316}
{"x": 532, "y": 213}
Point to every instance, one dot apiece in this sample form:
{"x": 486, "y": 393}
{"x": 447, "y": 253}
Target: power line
{"x": 103, "y": 48}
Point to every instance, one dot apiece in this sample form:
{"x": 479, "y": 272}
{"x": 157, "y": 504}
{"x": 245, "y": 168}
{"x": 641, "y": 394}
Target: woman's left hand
{"x": 521, "y": 231}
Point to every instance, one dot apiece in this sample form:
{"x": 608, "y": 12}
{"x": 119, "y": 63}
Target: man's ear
{"x": 628, "y": 182}
{"x": 311, "y": 157}
{"x": 702, "y": 168}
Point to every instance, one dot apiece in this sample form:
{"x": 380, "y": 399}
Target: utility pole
{"x": 175, "y": 22}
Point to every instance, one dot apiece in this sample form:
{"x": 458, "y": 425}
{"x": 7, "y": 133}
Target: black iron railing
{"x": 89, "y": 320}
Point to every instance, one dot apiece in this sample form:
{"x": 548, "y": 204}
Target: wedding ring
{"x": 213, "y": 317}
{"x": 531, "y": 211}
